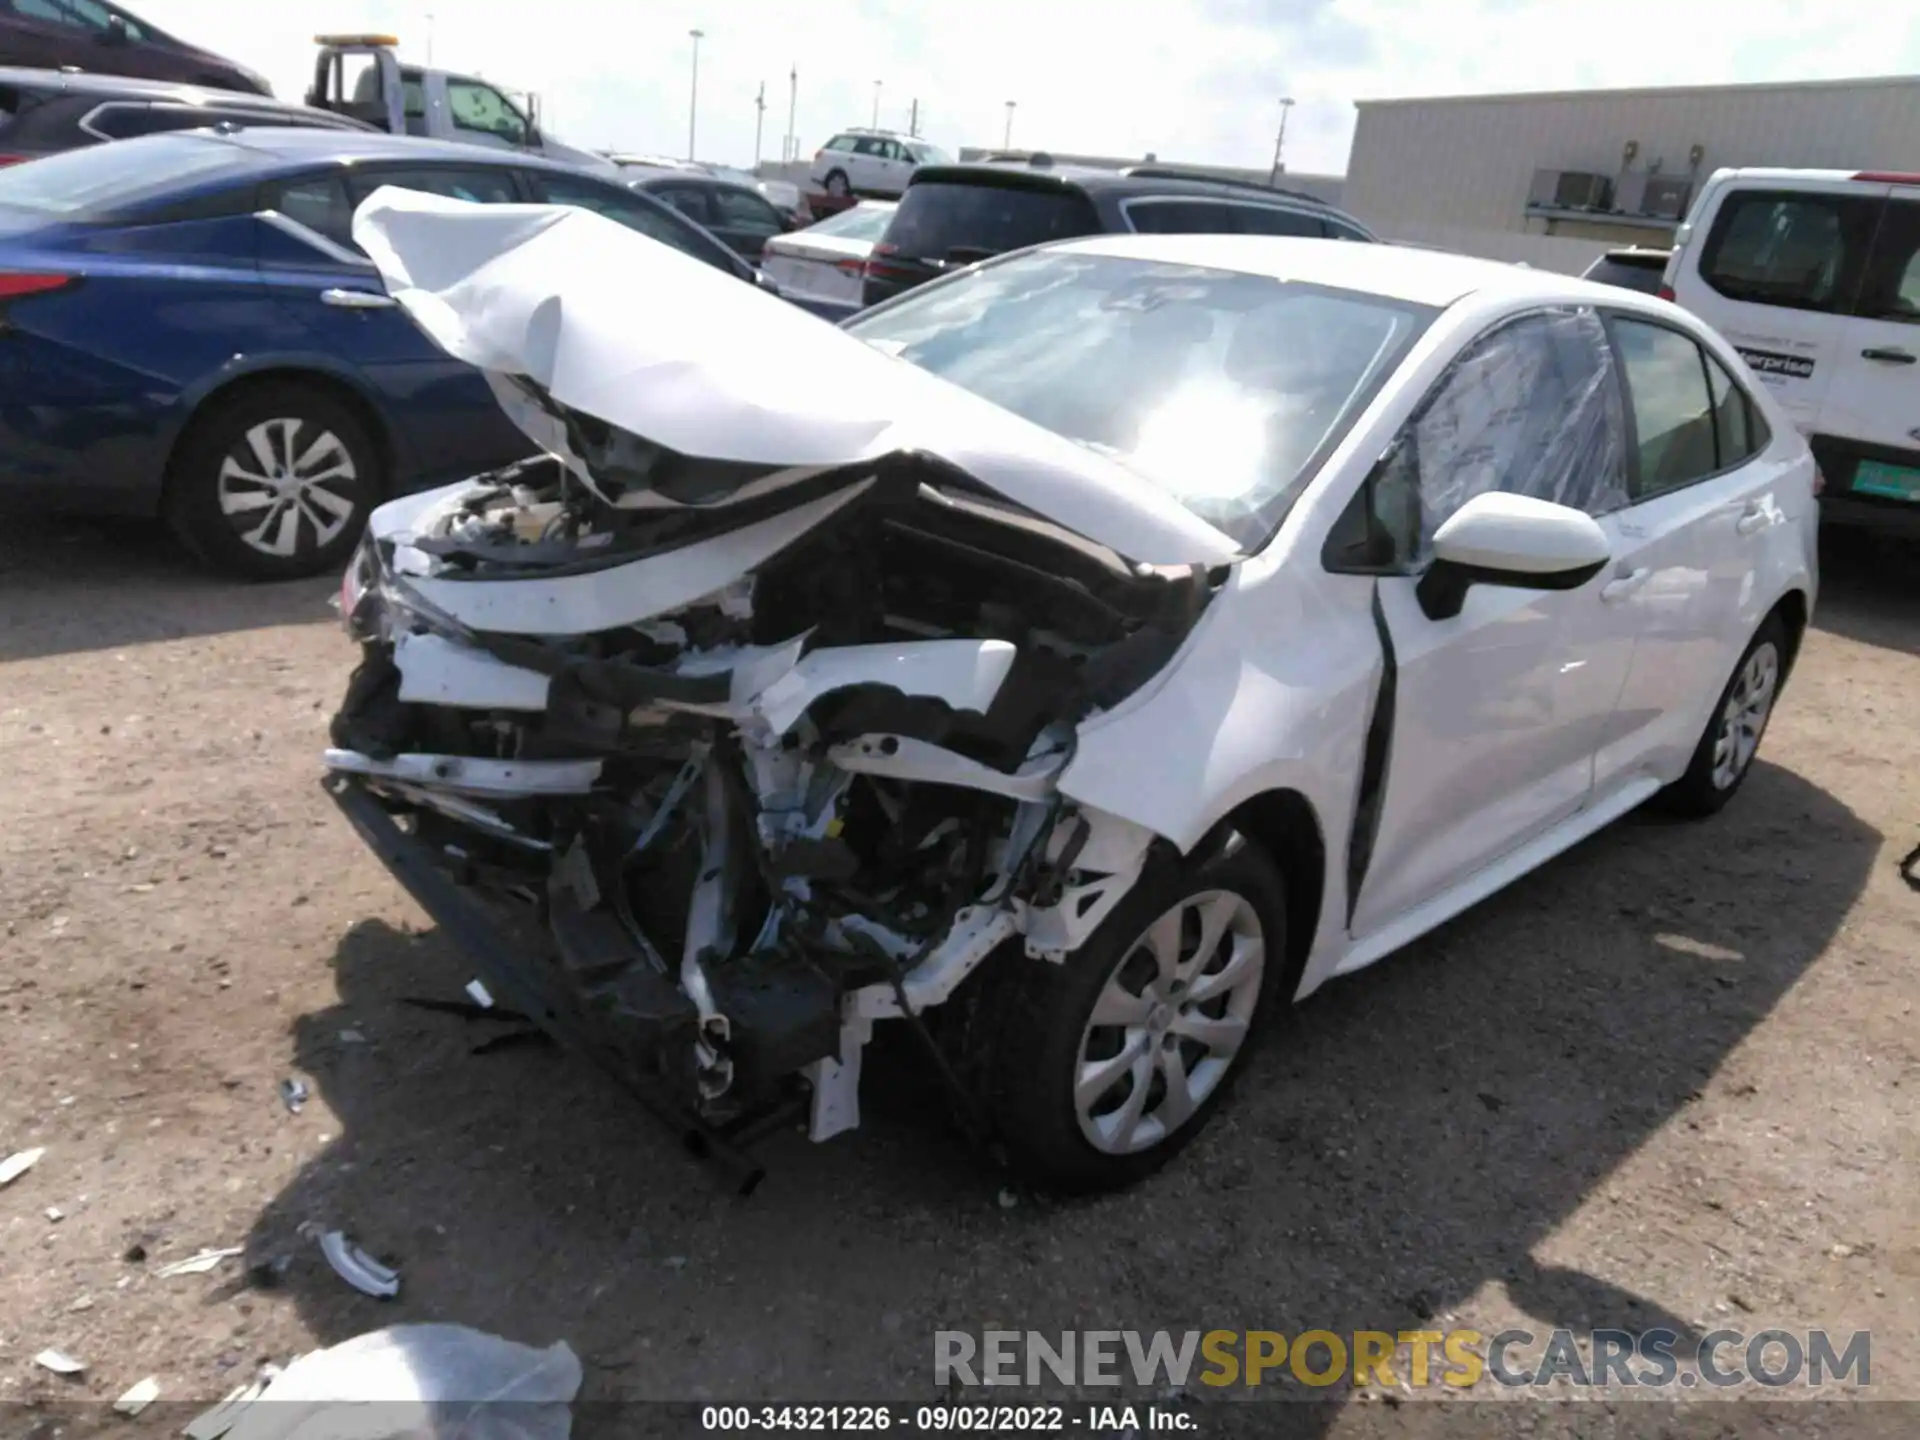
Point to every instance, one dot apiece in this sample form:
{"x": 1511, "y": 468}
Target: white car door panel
{"x": 1875, "y": 397}
{"x": 1498, "y": 710}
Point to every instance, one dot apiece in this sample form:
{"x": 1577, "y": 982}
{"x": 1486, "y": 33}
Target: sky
{"x": 1190, "y": 80}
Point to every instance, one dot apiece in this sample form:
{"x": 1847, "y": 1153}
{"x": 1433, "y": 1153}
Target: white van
{"x": 1814, "y": 276}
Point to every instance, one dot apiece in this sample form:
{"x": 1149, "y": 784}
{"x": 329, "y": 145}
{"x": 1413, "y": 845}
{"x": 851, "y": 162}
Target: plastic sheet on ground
{"x": 418, "y": 1382}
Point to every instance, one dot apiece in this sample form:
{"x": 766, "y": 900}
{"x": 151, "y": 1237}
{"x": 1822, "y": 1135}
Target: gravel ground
{"x": 1669, "y": 1079}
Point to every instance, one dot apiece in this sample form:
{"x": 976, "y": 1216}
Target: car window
{"x": 1800, "y": 250}
{"x": 744, "y": 210}
{"x": 867, "y": 145}
{"x": 481, "y": 109}
{"x": 636, "y": 212}
{"x": 319, "y": 202}
{"x": 839, "y": 142}
{"x": 689, "y": 200}
{"x": 1672, "y": 412}
{"x": 1533, "y": 408}
{"x": 1226, "y": 390}
{"x": 1735, "y": 426}
{"x": 1180, "y": 217}
{"x": 81, "y": 14}
{"x": 122, "y": 122}
{"x": 457, "y": 182}
{"x": 1273, "y": 220}
{"x": 1340, "y": 231}
{"x": 936, "y": 217}
{"x": 1892, "y": 288}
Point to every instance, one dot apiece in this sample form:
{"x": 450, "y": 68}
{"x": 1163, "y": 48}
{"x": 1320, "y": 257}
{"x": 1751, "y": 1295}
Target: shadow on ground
{"x": 69, "y": 586}
{"x": 1406, "y": 1138}
{"x": 1869, "y": 590}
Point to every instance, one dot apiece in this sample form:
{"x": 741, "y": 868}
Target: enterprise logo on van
{"x": 1770, "y": 362}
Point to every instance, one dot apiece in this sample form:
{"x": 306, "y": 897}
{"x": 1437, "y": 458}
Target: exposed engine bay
{"x": 719, "y": 761}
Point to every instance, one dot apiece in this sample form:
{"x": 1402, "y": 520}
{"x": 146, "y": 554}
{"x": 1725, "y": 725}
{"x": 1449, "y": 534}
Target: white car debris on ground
{"x": 1079, "y": 656}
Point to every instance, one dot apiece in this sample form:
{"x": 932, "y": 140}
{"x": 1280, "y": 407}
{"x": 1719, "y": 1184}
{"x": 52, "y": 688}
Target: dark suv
{"x": 953, "y": 215}
{"x": 43, "y": 112}
{"x": 95, "y": 36}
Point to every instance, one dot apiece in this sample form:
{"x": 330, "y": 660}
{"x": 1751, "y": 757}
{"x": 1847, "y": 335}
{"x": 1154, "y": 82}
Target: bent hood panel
{"x": 661, "y": 345}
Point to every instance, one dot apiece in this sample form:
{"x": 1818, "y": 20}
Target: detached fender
{"x": 1273, "y": 691}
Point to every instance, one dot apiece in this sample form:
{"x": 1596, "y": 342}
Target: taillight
{"x": 1665, "y": 292}
{"x": 851, "y": 267}
{"x": 13, "y": 159}
{"x": 15, "y": 284}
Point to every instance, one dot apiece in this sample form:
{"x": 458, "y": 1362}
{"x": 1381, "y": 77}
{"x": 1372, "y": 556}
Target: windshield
{"x": 863, "y": 222}
{"x": 1228, "y": 390}
{"x": 81, "y": 183}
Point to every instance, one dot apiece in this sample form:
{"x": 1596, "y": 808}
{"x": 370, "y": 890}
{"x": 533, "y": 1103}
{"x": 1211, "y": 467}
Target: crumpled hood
{"x": 649, "y": 340}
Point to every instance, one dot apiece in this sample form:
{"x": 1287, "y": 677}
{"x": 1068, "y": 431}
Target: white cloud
{"x": 1186, "y": 79}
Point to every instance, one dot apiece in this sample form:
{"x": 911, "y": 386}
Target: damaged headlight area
{"x": 708, "y": 773}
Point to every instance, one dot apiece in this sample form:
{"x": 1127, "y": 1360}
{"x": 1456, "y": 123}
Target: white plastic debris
{"x": 293, "y": 1094}
{"x": 409, "y": 1382}
{"x": 55, "y": 1213}
{"x": 482, "y": 996}
{"x": 18, "y": 1163}
{"x": 357, "y": 1268}
{"x": 139, "y": 1397}
{"x": 212, "y": 1424}
{"x": 59, "y": 1362}
{"x": 198, "y": 1264}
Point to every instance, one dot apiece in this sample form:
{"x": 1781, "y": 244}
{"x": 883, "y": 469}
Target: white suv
{"x": 1814, "y": 276}
{"x": 871, "y": 162}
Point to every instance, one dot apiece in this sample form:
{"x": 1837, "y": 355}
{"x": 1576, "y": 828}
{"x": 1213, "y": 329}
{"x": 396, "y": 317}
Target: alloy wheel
{"x": 1744, "y": 716}
{"x": 1169, "y": 1022}
{"x": 287, "y": 486}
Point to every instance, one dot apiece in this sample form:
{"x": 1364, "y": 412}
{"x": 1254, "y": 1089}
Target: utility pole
{"x": 876, "y": 104}
{"x": 759, "y": 119}
{"x": 693, "y": 93}
{"x": 1006, "y": 139}
{"x": 429, "y": 39}
{"x": 1279, "y": 141}
{"x": 913, "y": 120}
{"x": 793, "y": 103}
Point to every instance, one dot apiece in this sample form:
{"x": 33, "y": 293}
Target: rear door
{"x": 443, "y": 410}
{"x": 1700, "y": 510}
{"x": 1869, "y": 431}
{"x": 1776, "y": 272}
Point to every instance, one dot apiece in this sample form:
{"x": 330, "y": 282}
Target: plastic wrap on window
{"x": 1533, "y": 409}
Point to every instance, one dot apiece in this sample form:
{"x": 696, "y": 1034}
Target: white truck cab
{"x": 360, "y": 76}
{"x": 1814, "y": 277}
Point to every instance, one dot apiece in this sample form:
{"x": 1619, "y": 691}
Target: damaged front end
{"x": 708, "y": 764}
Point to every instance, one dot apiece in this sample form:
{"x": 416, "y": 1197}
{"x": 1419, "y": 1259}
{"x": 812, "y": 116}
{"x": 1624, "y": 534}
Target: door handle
{"x": 1888, "y": 356}
{"x": 1752, "y": 518}
{"x": 357, "y": 300}
{"x": 1629, "y": 581}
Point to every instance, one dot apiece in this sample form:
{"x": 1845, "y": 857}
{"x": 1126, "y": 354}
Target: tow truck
{"x": 361, "y": 76}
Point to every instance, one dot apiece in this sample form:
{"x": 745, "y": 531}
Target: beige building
{"x": 1554, "y": 179}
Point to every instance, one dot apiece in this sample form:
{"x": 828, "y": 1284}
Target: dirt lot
{"x": 1672, "y": 1078}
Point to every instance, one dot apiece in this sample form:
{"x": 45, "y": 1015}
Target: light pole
{"x": 876, "y": 104}
{"x": 1006, "y": 138}
{"x": 693, "y": 93}
{"x": 1280, "y": 140}
{"x": 793, "y": 104}
{"x": 429, "y": 39}
{"x": 759, "y": 119}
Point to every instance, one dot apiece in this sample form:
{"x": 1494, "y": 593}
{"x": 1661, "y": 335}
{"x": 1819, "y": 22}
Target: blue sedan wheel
{"x": 275, "y": 483}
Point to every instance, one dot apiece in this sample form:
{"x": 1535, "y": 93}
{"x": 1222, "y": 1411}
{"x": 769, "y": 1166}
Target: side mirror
{"x": 1511, "y": 540}
{"x": 116, "y": 32}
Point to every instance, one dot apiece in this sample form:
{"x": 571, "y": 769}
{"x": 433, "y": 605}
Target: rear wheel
{"x": 1725, "y": 753}
{"x": 274, "y": 483}
{"x": 1106, "y": 1066}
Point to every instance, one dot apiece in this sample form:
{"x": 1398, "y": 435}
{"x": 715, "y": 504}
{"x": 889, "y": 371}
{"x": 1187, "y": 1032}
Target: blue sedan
{"x": 187, "y": 330}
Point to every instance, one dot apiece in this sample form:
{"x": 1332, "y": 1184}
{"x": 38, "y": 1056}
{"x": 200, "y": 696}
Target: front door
{"x": 1497, "y": 710}
{"x": 1871, "y": 419}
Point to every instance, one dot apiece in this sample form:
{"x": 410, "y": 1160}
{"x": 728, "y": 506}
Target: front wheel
{"x": 275, "y": 483}
{"x": 1106, "y": 1066}
{"x": 1725, "y": 753}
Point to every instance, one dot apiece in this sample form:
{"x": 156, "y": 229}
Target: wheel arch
{"x": 235, "y": 387}
{"x": 1284, "y": 823}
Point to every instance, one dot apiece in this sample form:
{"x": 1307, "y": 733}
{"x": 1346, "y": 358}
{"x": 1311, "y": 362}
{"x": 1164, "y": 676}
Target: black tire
{"x": 1708, "y": 785}
{"x": 200, "y": 483}
{"x": 837, "y": 185}
{"x": 1038, "y": 1014}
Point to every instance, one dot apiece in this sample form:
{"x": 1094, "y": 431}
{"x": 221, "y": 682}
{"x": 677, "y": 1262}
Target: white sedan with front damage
{"x": 1072, "y": 661}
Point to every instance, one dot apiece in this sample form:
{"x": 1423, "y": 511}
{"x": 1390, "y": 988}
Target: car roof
{"x": 126, "y": 87}
{"x": 332, "y": 146}
{"x": 1135, "y": 180}
{"x": 1422, "y": 277}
